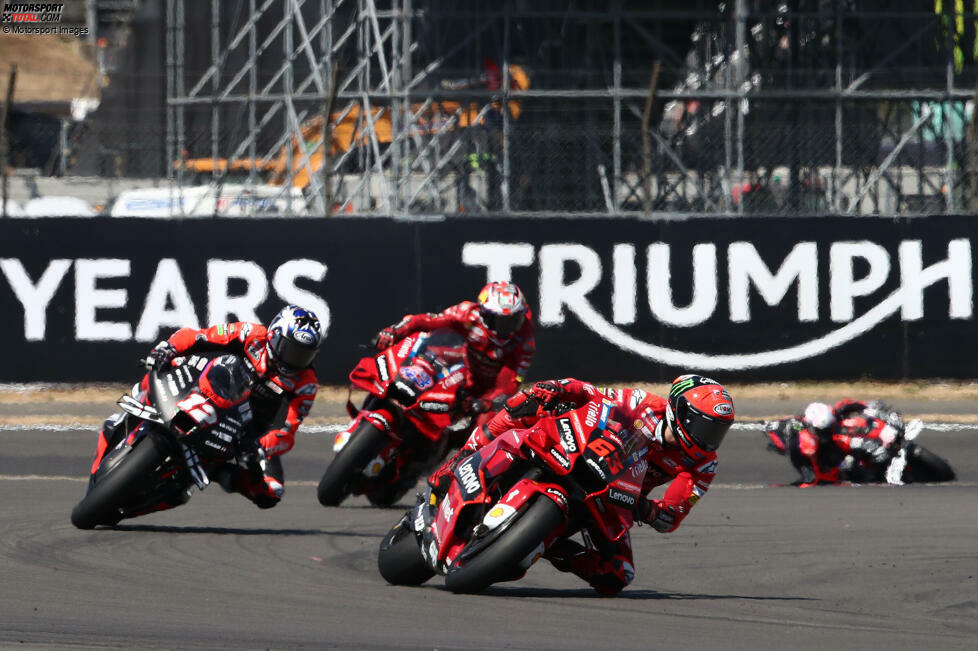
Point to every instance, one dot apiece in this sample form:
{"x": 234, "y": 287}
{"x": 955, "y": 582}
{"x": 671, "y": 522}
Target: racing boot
{"x": 263, "y": 488}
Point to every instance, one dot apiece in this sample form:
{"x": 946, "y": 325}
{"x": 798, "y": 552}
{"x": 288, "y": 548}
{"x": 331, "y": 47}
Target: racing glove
{"x": 160, "y": 357}
{"x": 522, "y": 404}
{"x": 386, "y": 338}
{"x": 546, "y": 392}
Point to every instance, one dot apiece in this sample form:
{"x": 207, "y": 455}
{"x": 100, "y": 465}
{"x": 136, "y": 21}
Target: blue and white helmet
{"x": 293, "y": 338}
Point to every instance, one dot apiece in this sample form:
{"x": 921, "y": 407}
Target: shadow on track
{"x": 237, "y": 531}
{"x": 588, "y": 593}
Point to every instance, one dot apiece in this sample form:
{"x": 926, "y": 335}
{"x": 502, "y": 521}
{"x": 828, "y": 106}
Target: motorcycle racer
{"x": 498, "y": 328}
{"x": 685, "y": 430}
{"x": 827, "y": 443}
{"x": 280, "y": 356}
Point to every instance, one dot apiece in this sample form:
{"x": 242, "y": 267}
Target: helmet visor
{"x": 705, "y": 431}
{"x": 503, "y": 325}
{"x": 290, "y": 355}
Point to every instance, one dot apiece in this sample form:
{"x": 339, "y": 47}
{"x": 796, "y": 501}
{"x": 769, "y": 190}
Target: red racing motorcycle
{"x": 194, "y": 424}
{"x": 509, "y": 501}
{"x": 415, "y": 400}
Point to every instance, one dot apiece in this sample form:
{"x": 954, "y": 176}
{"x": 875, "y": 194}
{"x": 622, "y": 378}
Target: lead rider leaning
{"x": 685, "y": 431}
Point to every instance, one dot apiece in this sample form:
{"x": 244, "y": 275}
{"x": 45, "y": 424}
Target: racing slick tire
{"x": 499, "y": 560}
{"x": 101, "y": 504}
{"x": 365, "y": 443}
{"x": 925, "y": 466}
{"x": 399, "y": 560}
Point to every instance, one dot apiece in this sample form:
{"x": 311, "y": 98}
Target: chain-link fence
{"x": 247, "y": 107}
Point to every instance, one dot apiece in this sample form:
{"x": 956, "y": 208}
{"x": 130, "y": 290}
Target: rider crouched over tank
{"x": 284, "y": 387}
{"x": 854, "y": 442}
{"x": 684, "y": 431}
{"x": 498, "y": 328}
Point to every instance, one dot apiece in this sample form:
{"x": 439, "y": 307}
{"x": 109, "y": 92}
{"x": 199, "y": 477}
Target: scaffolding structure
{"x": 413, "y": 107}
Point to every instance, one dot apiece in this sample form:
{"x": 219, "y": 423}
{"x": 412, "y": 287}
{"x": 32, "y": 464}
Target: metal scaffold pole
{"x": 405, "y": 107}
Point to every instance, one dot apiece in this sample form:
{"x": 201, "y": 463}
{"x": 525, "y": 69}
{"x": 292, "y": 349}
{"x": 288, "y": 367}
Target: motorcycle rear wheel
{"x": 925, "y": 466}
{"x": 365, "y": 443}
{"x": 399, "y": 560}
{"x": 101, "y": 505}
{"x": 501, "y": 558}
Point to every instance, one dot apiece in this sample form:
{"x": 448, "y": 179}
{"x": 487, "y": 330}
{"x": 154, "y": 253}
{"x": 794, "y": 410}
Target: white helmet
{"x": 819, "y": 416}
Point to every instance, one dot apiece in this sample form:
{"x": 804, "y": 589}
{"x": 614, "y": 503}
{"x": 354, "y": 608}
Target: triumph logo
{"x": 570, "y": 273}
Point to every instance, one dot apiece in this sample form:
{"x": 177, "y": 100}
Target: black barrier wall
{"x": 613, "y": 299}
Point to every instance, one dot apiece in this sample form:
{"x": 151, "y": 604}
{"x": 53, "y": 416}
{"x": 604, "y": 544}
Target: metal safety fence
{"x": 410, "y": 107}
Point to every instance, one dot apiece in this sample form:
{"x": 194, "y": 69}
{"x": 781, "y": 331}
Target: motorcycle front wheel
{"x": 101, "y": 505}
{"x": 365, "y": 443}
{"x": 501, "y": 558}
{"x": 925, "y": 466}
{"x": 399, "y": 560}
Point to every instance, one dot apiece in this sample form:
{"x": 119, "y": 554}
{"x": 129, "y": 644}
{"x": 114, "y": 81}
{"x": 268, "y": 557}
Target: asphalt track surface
{"x": 753, "y": 567}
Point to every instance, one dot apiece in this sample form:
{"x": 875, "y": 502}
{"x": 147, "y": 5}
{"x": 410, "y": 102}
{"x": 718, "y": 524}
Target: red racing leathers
{"x": 830, "y": 457}
{"x": 279, "y": 402}
{"x": 608, "y": 566}
{"x": 497, "y": 369}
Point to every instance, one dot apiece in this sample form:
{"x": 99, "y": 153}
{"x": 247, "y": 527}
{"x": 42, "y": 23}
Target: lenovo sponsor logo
{"x": 558, "y": 496}
{"x": 621, "y": 497}
{"x": 436, "y": 407}
{"x": 382, "y": 369}
{"x": 567, "y": 437}
{"x": 469, "y": 476}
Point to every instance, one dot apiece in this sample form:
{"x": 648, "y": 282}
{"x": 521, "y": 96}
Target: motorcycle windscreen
{"x": 613, "y": 448}
{"x": 226, "y": 380}
{"x": 443, "y": 344}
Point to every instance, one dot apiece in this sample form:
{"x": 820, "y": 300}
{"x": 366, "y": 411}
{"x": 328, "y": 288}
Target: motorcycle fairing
{"x": 421, "y": 376}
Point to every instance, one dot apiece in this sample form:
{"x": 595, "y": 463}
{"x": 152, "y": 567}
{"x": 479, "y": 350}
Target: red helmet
{"x": 699, "y": 413}
{"x": 502, "y": 309}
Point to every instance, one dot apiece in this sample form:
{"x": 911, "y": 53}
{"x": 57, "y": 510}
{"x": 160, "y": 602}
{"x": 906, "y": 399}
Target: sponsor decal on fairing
{"x": 382, "y": 369}
{"x": 560, "y": 498}
{"x": 561, "y": 459}
{"x": 567, "y": 437}
{"x": 621, "y": 497}
{"x": 434, "y": 407}
{"x": 468, "y": 476}
{"x": 497, "y": 515}
{"x": 341, "y": 439}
